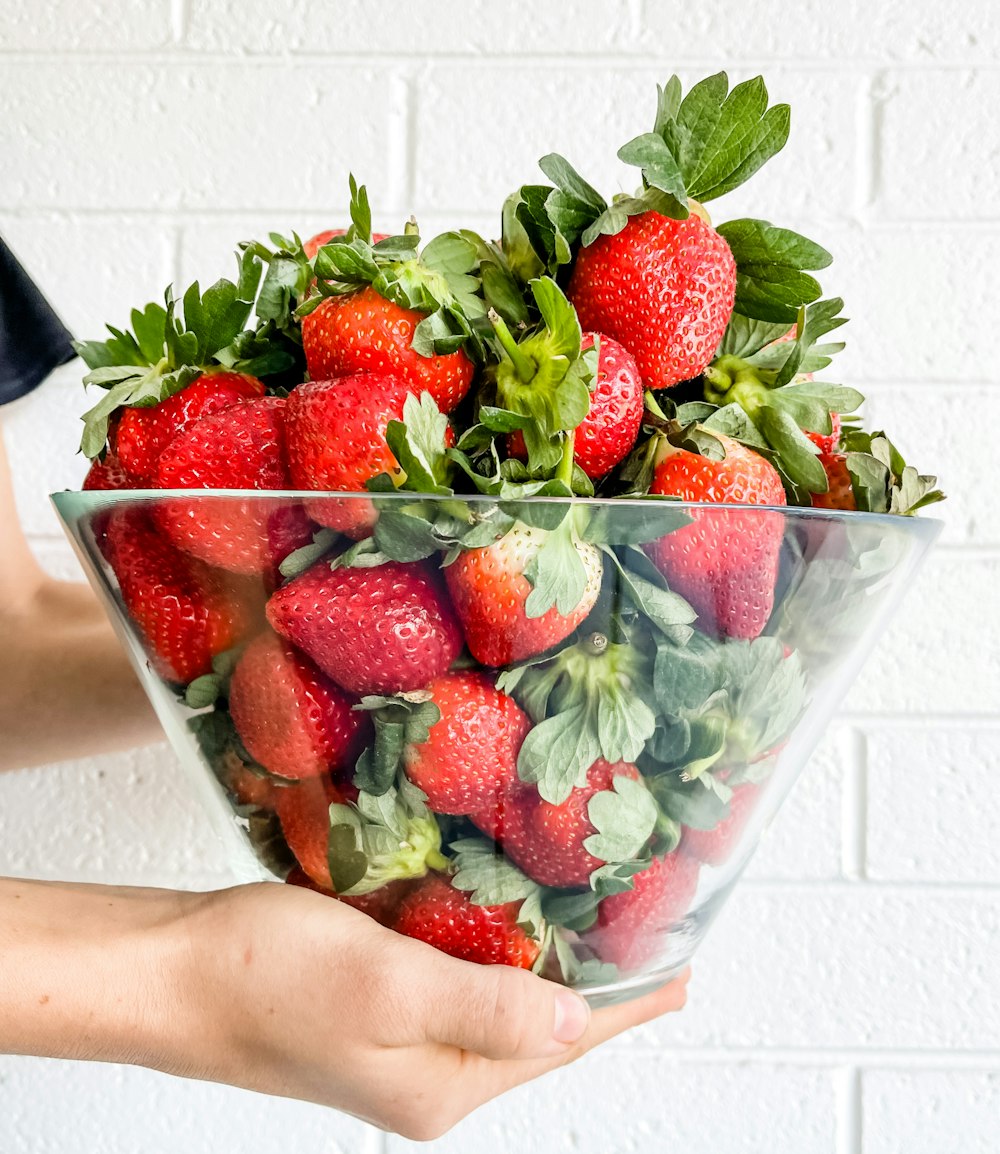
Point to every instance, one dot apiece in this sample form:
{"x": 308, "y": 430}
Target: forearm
{"x": 89, "y": 972}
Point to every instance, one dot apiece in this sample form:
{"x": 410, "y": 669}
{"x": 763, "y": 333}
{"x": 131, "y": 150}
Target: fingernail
{"x": 572, "y": 1017}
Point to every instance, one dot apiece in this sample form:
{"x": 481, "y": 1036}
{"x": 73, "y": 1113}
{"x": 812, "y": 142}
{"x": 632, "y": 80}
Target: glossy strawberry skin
{"x": 713, "y": 846}
{"x": 725, "y": 563}
{"x": 632, "y": 927}
{"x": 336, "y": 441}
{"x": 185, "y": 611}
{"x": 291, "y": 718}
{"x": 143, "y": 433}
{"x": 840, "y": 491}
{"x": 607, "y": 433}
{"x": 107, "y": 474}
{"x": 469, "y": 760}
{"x": 388, "y": 629}
{"x": 662, "y": 288}
{"x": 436, "y": 913}
{"x": 242, "y": 447}
{"x": 304, "y": 813}
{"x": 362, "y": 332}
{"x": 489, "y": 591}
{"x": 546, "y": 840}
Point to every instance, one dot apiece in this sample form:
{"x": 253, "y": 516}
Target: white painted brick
{"x": 942, "y": 650}
{"x": 619, "y": 1104}
{"x": 931, "y": 427}
{"x": 937, "y": 160}
{"x": 107, "y": 1109}
{"x": 922, "y": 302}
{"x": 587, "y": 114}
{"x": 847, "y": 967}
{"x": 413, "y": 27}
{"x": 849, "y": 32}
{"x": 69, "y": 26}
{"x": 168, "y": 135}
{"x": 811, "y": 811}
{"x": 933, "y": 805}
{"x": 930, "y": 1111}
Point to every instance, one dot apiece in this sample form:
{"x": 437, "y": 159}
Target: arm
{"x": 71, "y": 691}
{"x": 283, "y": 991}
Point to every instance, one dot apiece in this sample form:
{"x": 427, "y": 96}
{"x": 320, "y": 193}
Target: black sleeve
{"x": 33, "y": 340}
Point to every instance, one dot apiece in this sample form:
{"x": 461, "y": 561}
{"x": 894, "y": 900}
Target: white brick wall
{"x": 846, "y": 1001}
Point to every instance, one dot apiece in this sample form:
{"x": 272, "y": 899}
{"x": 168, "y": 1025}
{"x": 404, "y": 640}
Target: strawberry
{"x": 185, "y": 612}
{"x": 107, "y": 474}
{"x": 387, "y": 629}
{"x": 632, "y": 927}
{"x": 725, "y": 563}
{"x": 546, "y": 841}
{"x": 248, "y": 787}
{"x": 840, "y": 491}
{"x": 714, "y": 846}
{"x": 336, "y": 440}
{"x": 607, "y": 433}
{"x": 362, "y": 332}
{"x": 827, "y": 442}
{"x": 291, "y": 718}
{"x": 469, "y": 760}
{"x": 143, "y": 433}
{"x": 663, "y": 288}
{"x": 436, "y": 913}
{"x": 312, "y": 246}
{"x": 241, "y": 447}
{"x": 492, "y": 594}
{"x": 304, "y": 812}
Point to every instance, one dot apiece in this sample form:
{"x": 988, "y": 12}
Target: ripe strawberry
{"x": 489, "y": 590}
{"x": 663, "y": 288}
{"x": 388, "y": 629}
{"x": 247, "y": 787}
{"x": 607, "y": 433}
{"x": 241, "y": 447}
{"x": 827, "y": 442}
{"x": 380, "y": 904}
{"x": 840, "y": 494}
{"x": 362, "y": 332}
{"x": 632, "y": 927}
{"x": 713, "y": 846}
{"x": 107, "y": 474}
{"x": 436, "y": 913}
{"x": 725, "y": 563}
{"x": 470, "y": 759}
{"x": 336, "y": 440}
{"x": 304, "y": 813}
{"x": 291, "y": 718}
{"x": 185, "y": 612}
{"x": 143, "y": 433}
{"x": 546, "y": 840}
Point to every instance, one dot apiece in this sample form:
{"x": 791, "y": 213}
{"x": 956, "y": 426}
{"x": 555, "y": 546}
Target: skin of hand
{"x": 284, "y": 991}
{"x": 74, "y": 693}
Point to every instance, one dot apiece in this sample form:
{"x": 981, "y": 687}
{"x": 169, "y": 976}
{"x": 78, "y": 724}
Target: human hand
{"x": 288, "y": 992}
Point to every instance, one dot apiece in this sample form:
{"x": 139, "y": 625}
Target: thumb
{"x": 501, "y": 1012}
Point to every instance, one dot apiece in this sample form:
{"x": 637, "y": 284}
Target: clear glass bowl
{"x": 593, "y": 775}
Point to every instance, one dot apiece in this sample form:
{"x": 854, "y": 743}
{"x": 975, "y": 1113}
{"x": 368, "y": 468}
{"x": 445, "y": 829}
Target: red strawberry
{"x": 291, "y": 718}
{"x": 107, "y": 474}
{"x": 336, "y": 440}
{"x": 489, "y": 590}
{"x": 247, "y": 787}
{"x": 607, "y": 433}
{"x": 827, "y": 442}
{"x": 380, "y": 904}
{"x": 840, "y": 494}
{"x": 632, "y": 927}
{"x": 312, "y": 246}
{"x": 239, "y": 448}
{"x": 726, "y": 562}
{"x": 663, "y": 288}
{"x": 438, "y": 914}
{"x": 362, "y": 332}
{"x": 143, "y": 433}
{"x": 185, "y": 611}
{"x": 470, "y": 759}
{"x": 304, "y": 812}
{"x": 713, "y": 846}
{"x": 388, "y": 629}
{"x": 546, "y": 840}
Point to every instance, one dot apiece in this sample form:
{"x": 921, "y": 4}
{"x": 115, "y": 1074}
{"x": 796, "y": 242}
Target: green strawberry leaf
{"x": 568, "y": 181}
{"x": 634, "y": 525}
{"x": 616, "y": 216}
{"x": 616, "y": 877}
{"x": 399, "y": 536}
{"x": 799, "y": 456}
{"x": 689, "y": 803}
{"x": 203, "y": 691}
{"x": 770, "y": 282}
{"x": 490, "y": 878}
{"x": 624, "y": 817}
{"x": 302, "y": 559}
{"x": 399, "y": 721}
{"x": 667, "y": 610}
{"x": 557, "y": 574}
{"x": 418, "y": 444}
{"x": 572, "y": 911}
{"x": 557, "y": 753}
{"x": 660, "y": 169}
{"x": 745, "y": 337}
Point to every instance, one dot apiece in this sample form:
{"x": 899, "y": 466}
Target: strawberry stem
{"x": 564, "y": 472}
{"x": 523, "y": 365}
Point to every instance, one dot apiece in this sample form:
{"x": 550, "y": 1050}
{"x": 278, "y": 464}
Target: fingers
{"x": 613, "y": 1020}
{"x": 504, "y": 1013}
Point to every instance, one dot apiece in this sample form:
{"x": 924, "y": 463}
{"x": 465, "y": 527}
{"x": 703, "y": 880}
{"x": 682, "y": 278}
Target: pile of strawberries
{"x": 510, "y": 723}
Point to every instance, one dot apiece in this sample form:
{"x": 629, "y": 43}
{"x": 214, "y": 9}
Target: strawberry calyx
{"x": 882, "y": 481}
{"x": 402, "y": 720}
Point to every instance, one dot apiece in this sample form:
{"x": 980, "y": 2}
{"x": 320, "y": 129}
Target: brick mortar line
{"x": 931, "y": 1060}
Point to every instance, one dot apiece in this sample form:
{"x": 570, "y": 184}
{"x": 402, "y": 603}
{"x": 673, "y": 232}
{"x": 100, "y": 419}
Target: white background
{"x": 847, "y": 1002}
